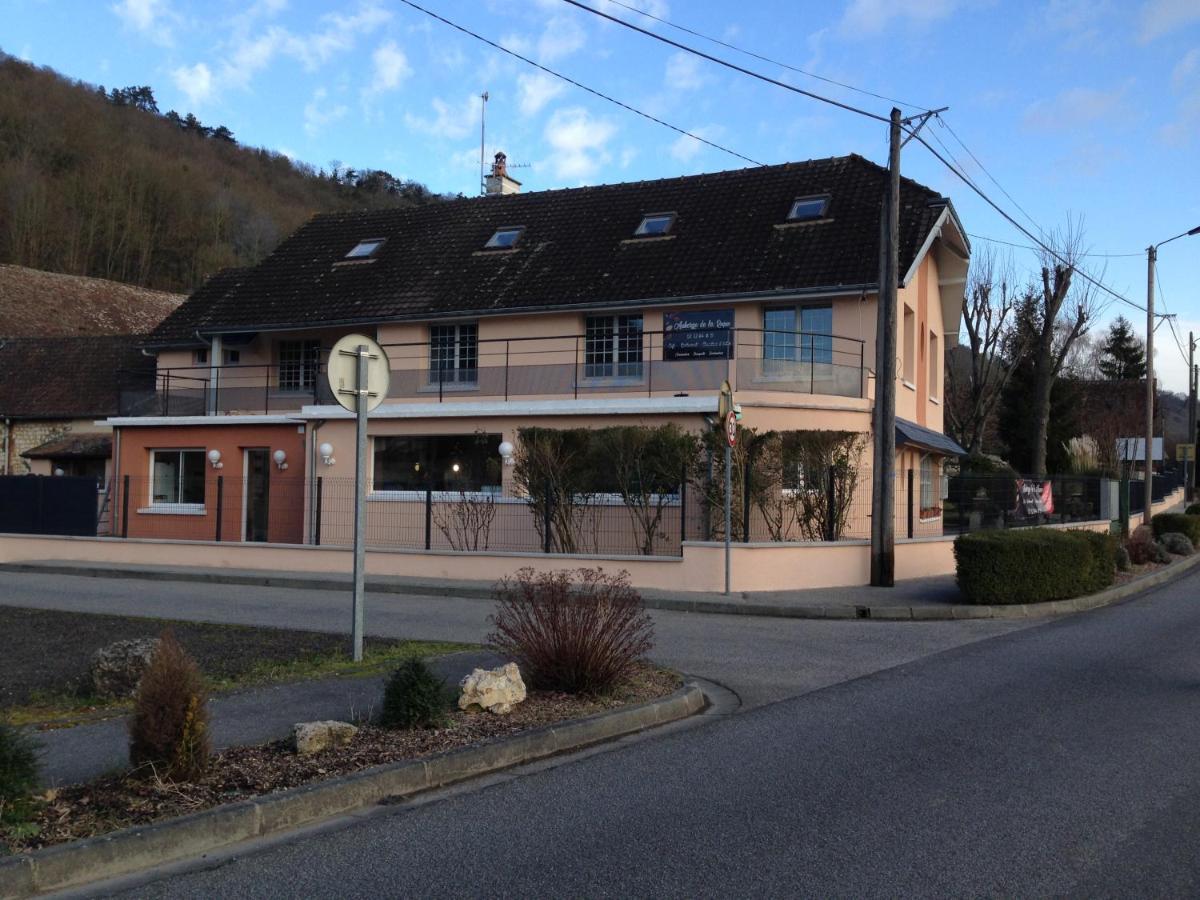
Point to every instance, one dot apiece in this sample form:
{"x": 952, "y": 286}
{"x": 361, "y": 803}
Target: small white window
{"x": 655, "y": 225}
{"x": 504, "y": 238}
{"x": 807, "y": 208}
{"x": 365, "y": 249}
{"x": 177, "y": 477}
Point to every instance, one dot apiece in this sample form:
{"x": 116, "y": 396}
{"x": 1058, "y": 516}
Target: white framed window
{"x": 299, "y": 362}
{"x": 935, "y": 366}
{"x": 177, "y": 477}
{"x": 200, "y": 357}
{"x": 365, "y": 249}
{"x": 930, "y": 484}
{"x": 454, "y": 354}
{"x": 655, "y": 225}
{"x": 612, "y": 346}
{"x": 231, "y": 357}
{"x": 805, "y": 209}
{"x": 505, "y": 238}
{"x": 802, "y": 333}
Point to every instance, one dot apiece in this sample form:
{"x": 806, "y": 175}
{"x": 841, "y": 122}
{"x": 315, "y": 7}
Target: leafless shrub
{"x": 169, "y": 727}
{"x": 467, "y": 521}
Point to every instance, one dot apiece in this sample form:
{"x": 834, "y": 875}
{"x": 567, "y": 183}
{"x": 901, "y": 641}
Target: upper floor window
{"x": 805, "y": 209}
{"x": 655, "y": 225}
{"x": 200, "y": 357}
{"x": 177, "y": 476}
{"x": 612, "y": 346}
{"x": 454, "y": 354}
{"x": 299, "y": 362}
{"x": 366, "y": 249}
{"x": 505, "y": 238}
{"x": 803, "y": 333}
{"x": 908, "y": 352}
{"x": 935, "y": 365}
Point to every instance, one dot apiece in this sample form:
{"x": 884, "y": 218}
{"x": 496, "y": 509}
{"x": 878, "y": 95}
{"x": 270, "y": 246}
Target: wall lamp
{"x": 326, "y": 452}
{"x": 214, "y": 459}
{"x": 506, "y": 452}
{"x": 280, "y": 460}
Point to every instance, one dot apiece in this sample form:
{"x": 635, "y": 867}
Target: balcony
{"x": 553, "y": 367}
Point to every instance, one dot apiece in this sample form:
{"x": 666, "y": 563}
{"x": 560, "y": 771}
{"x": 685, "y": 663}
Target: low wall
{"x": 754, "y": 567}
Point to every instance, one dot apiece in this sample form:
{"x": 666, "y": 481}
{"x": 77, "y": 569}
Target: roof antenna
{"x": 482, "y": 124}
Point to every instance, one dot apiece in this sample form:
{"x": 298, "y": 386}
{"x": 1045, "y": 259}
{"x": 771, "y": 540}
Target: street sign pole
{"x": 360, "y": 506}
{"x": 728, "y": 510}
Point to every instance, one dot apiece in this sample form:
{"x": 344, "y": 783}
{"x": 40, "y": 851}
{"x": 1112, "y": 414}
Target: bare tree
{"x": 1066, "y": 306}
{"x": 987, "y": 314}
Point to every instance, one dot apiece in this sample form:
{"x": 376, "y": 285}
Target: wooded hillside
{"x": 101, "y": 184}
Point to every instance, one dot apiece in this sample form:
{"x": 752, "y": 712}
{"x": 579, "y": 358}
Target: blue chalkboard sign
{"x": 698, "y": 334}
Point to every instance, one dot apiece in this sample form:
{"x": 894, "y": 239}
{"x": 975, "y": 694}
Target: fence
{"x": 193, "y": 391}
{"x": 36, "y": 504}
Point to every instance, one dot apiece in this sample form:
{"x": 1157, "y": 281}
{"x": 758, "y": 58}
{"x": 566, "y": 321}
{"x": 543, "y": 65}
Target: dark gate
{"x": 35, "y": 504}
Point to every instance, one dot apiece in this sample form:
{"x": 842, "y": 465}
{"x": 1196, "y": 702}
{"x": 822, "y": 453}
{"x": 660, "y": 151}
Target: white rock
{"x": 495, "y": 690}
{"x": 313, "y": 737}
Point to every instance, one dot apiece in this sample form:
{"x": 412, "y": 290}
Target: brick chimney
{"x": 499, "y": 183}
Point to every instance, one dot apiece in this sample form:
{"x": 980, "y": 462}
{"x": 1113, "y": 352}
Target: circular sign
{"x": 342, "y": 371}
{"x": 731, "y": 428}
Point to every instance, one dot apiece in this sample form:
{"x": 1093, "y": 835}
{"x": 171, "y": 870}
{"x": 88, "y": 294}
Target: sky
{"x": 1061, "y": 110}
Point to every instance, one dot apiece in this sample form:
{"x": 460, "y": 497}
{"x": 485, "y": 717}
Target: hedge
{"x": 1032, "y": 565}
{"x": 1184, "y": 524}
{"x": 1193, "y": 510}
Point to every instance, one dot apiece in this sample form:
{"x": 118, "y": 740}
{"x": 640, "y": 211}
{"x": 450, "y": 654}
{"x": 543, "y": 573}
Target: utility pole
{"x": 1190, "y": 465}
{"x": 883, "y": 479}
{"x": 1151, "y": 258}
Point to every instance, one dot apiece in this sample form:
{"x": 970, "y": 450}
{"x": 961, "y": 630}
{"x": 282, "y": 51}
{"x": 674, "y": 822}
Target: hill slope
{"x": 103, "y": 185}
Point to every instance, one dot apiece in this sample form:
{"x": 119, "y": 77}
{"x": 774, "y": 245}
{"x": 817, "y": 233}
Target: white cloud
{"x": 152, "y": 18}
{"x": 535, "y": 90}
{"x": 26, "y": 53}
{"x": 684, "y": 149}
{"x": 561, "y": 37}
{"x": 1074, "y": 108}
{"x": 866, "y": 17}
{"x": 391, "y": 67}
{"x": 1186, "y": 69}
{"x": 448, "y": 121}
{"x": 684, "y": 72}
{"x": 1160, "y": 17}
{"x": 579, "y": 143}
{"x": 194, "y": 81}
{"x": 1079, "y": 23}
{"x": 317, "y": 115}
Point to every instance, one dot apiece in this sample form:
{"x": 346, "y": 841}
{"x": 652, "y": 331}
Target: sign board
{"x": 1034, "y": 498}
{"x": 698, "y": 334}
{"x": 731, "y": 428}
{"x": 1185, "y": 452}
{"x": 342, "y": 371}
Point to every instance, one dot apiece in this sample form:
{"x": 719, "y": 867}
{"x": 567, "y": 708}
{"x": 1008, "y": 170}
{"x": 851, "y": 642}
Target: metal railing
{"x": 192, "y": 391}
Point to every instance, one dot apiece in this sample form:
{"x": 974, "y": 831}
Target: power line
{"x": 766, "y": 59}
{"x": 582, "y": 86}
{"x": 1169, "y": 318}
{"x": 992, "y": 240}
{"x": 723, "y": 62}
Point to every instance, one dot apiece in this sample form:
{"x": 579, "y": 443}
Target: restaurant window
{"x": 177, "y": 476}
{"x": 612, "y": 347}
{"x": 444, "y": 462}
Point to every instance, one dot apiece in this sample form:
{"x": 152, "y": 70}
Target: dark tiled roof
{"x": 576, "y": 250}
{"x": 915, "y": 435}
{"x": 75, "y": 446}
{"x": 34, "y": 303}
{"x": 68, "y": 378}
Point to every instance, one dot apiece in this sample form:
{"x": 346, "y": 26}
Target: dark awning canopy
{"x": 80, "y": 446}
{"x": 913, "y": 435}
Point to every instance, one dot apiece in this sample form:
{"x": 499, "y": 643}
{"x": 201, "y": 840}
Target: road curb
{"x": 128, "y": 851}
{"x": 732, "y": 607}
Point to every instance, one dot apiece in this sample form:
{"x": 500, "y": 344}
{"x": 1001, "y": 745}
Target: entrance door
{"x": 258, "y": 493}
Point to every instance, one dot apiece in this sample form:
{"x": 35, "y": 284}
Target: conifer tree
{"x": 1123, "y": 358}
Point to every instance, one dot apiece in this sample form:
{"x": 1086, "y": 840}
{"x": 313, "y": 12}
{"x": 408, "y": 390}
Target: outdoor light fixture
{"x": 455, "y": 467}
{"x": 214, "y": 459}
{"x": 280, "y": 459}
{"x": 506, "y": 452}
{"x": 326, "y": 451}
{"x": 59, "y": 472}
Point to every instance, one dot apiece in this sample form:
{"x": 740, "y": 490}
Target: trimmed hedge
{"x": 1033, "y": 565}
{"x": 1193, "y": 510}
{"x": 1180, "y": 522}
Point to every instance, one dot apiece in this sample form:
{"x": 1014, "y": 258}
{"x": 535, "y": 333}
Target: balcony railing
{"x": 646, "y": 363}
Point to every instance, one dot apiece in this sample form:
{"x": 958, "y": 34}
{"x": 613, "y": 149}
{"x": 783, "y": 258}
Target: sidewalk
{"x": 252, "y": 716}
{"x": 935, "y": 597}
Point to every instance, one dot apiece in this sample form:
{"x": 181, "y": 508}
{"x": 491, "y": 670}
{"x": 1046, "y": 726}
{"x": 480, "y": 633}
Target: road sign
{"x": 731, "y": 428}
{"x": 1185, "y": 452}
{"x": 342, "y": 372}
{"x": 725, "y": 403}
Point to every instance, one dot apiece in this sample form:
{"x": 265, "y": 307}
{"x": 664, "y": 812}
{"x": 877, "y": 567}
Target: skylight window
{"x": 805, "y": 209}
{"x": 504, "y": 238}
{"x": 655, "y": 225}
{"x": 365, "y": 249}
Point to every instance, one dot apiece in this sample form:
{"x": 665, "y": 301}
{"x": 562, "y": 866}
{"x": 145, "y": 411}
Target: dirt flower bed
{"x": 120, "y": 801}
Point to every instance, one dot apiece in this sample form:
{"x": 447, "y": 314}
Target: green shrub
{"x": 1180, "y": 522}
{"x": 1032, "y": 565}
{"x": 1193, "y": 510}
{"x": 168, "y": 730}
{"x": 18, "y": 773}
{"x": 413, "y": 697}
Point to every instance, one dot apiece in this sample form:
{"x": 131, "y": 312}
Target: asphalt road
{"x": 1058, "y": 759}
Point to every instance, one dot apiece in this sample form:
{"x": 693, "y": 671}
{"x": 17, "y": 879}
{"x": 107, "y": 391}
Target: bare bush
{"x": 169, "y": 726}
{"x": 467, "y": 522}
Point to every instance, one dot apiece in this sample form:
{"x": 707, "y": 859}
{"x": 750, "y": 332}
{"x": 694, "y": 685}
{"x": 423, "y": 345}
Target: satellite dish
{"x": 342, "y": 372}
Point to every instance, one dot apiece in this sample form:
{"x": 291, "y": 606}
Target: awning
{"x": 79, "y": 446}
{"x": 913, "y": 435}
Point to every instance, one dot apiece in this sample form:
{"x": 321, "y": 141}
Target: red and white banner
{"x": 1034, "y": 498}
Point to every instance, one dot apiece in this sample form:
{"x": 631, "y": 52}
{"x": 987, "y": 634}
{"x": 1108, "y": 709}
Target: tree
{"x": 975, "y": 387}
{"x": 1123, "y": 356}
{"x": 221, "y": 133}
{"x": 1062, "y": 307}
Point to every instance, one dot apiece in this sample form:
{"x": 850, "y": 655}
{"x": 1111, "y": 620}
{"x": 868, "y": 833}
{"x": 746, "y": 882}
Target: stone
{"x": 1123, "y": 560}
{"x": 115, "y": 670}
{"x": 1177, "y": 543}
{"x": 315, "y": 737}
{"x": 494, "y": 690}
